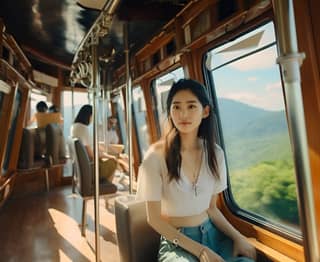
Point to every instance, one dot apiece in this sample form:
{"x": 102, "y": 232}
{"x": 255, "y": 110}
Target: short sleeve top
{"x": 178, "y": 198}
{"x": 81, "y": 131}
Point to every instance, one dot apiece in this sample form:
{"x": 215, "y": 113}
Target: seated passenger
{"x": 53, "y": 109}
{"x": 112, "y": 135}
{"x": 80, "y": 130}
{"x": 113, "y": 146}
{"x": 180, "y": 179}
{"x": 41, "y": 107}
{"x": 42, "y": 117}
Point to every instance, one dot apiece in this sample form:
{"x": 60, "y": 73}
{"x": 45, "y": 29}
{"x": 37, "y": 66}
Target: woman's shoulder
{"x": 155, "y": 154}
{"x": 154, "y": 159}
{"x": 156, "y": 150}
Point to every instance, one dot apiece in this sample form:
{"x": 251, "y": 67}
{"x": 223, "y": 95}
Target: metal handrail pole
{"x": 290, "y": 60}
{"x": 128, "y": 105}
{"x": 95, "y": 88}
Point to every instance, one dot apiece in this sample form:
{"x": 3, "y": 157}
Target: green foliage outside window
{"x": 268, "y": 188}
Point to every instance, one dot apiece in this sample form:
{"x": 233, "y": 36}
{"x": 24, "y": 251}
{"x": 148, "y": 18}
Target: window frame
{"x": 227, "y": 195}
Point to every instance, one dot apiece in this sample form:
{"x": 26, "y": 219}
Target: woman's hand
{"x": 243, "y": 248}
{"x": 207, "y": 255}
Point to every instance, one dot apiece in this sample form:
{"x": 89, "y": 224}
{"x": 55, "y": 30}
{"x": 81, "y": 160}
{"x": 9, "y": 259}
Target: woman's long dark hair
{"x": 206, "y": 130}
{"x": 84, "y": 115}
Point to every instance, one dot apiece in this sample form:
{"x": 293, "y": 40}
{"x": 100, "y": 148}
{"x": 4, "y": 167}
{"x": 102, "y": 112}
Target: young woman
{"x": 180, "y": 179}
{"x": 80, "y": 130}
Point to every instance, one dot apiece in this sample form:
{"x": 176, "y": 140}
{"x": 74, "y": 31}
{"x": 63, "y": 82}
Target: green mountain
{"x": 253, "y": 135}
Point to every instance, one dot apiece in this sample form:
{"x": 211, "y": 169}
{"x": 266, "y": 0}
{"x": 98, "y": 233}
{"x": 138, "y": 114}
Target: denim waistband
{"x": 203, "y": 227}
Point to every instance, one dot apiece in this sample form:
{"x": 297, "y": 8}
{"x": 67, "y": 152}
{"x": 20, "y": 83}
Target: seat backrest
{"x": 55, "y": 144}
{"x": 84, "y": 168}
{"x": 27, "y": 148}
{"x": 43, "y": 119}
{"x": 40, "y": 142}
{"x": 137, "y": 240}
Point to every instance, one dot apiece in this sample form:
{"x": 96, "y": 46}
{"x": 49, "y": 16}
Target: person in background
{"x": 180, "y": 179}
{"x": 54, "y": 110}
{"x": 41, "y": 107}
{"x": 113, "y": 145}
{"x": 112, "y": 135}
{"x": 80, "y": 130}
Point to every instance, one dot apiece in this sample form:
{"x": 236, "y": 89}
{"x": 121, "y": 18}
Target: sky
{"x": 254, "y": 80}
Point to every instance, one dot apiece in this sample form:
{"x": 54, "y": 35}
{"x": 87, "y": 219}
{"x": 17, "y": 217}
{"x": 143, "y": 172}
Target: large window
{"x": 140, "y": 116}
{"x": 251, "y": 107}
{"x": 160, "y": 89}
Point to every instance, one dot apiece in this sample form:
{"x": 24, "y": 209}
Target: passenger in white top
{"x": 180, "y": 179}
{"x": 80, "y": 130}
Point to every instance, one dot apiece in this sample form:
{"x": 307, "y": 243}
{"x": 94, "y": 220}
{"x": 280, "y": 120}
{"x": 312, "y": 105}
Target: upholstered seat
{"x": 137, "y": 240}
{"x": 85, "y": 180}
{"x": 32, "y": 153}
{"x": 42, "y": 149}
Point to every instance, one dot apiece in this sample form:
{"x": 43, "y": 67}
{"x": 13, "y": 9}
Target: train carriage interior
{"x": 259, "y": 61}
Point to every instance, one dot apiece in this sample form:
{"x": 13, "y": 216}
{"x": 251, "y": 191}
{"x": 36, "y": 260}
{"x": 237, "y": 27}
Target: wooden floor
{"x": 45, "y": 227}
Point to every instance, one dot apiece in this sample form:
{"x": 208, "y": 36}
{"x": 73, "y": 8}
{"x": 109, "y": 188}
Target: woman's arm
{"x": 241, "y": 245}
{"x": 172, "y": 234}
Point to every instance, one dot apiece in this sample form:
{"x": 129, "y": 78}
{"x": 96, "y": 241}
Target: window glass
{"x": 160, "y": 89}
{"x": 244, "y": 45}
{"x": 254, "y": 128}
{"x": 140, "y": 116}
{"x": 12, "y": 129}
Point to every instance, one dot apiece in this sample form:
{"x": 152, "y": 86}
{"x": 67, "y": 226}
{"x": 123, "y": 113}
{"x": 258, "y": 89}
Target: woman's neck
{"x": 189, "y": 141}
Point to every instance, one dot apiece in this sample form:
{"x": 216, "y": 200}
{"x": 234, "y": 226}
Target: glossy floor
{"x": 45, "y": 227}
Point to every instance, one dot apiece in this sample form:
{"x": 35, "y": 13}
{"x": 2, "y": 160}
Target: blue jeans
{"x": 208, "y": 235}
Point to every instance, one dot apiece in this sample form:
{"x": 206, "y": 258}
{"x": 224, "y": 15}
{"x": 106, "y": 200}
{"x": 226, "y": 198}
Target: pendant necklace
{"x": 196, "y": 175}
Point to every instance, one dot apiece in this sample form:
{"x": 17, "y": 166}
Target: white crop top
{"x": 178, "y": 197}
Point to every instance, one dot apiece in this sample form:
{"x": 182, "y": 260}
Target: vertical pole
{"x": 105, "y": 101}
{"x": 129, "y": 104}
{"x": 72, "y": 100}
{"x": 95, "y": 88}
{"x": 290, "y": 61}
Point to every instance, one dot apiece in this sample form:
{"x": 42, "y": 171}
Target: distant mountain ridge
{"x": 252, "y": 134}
{"x": 237, "y": 117}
